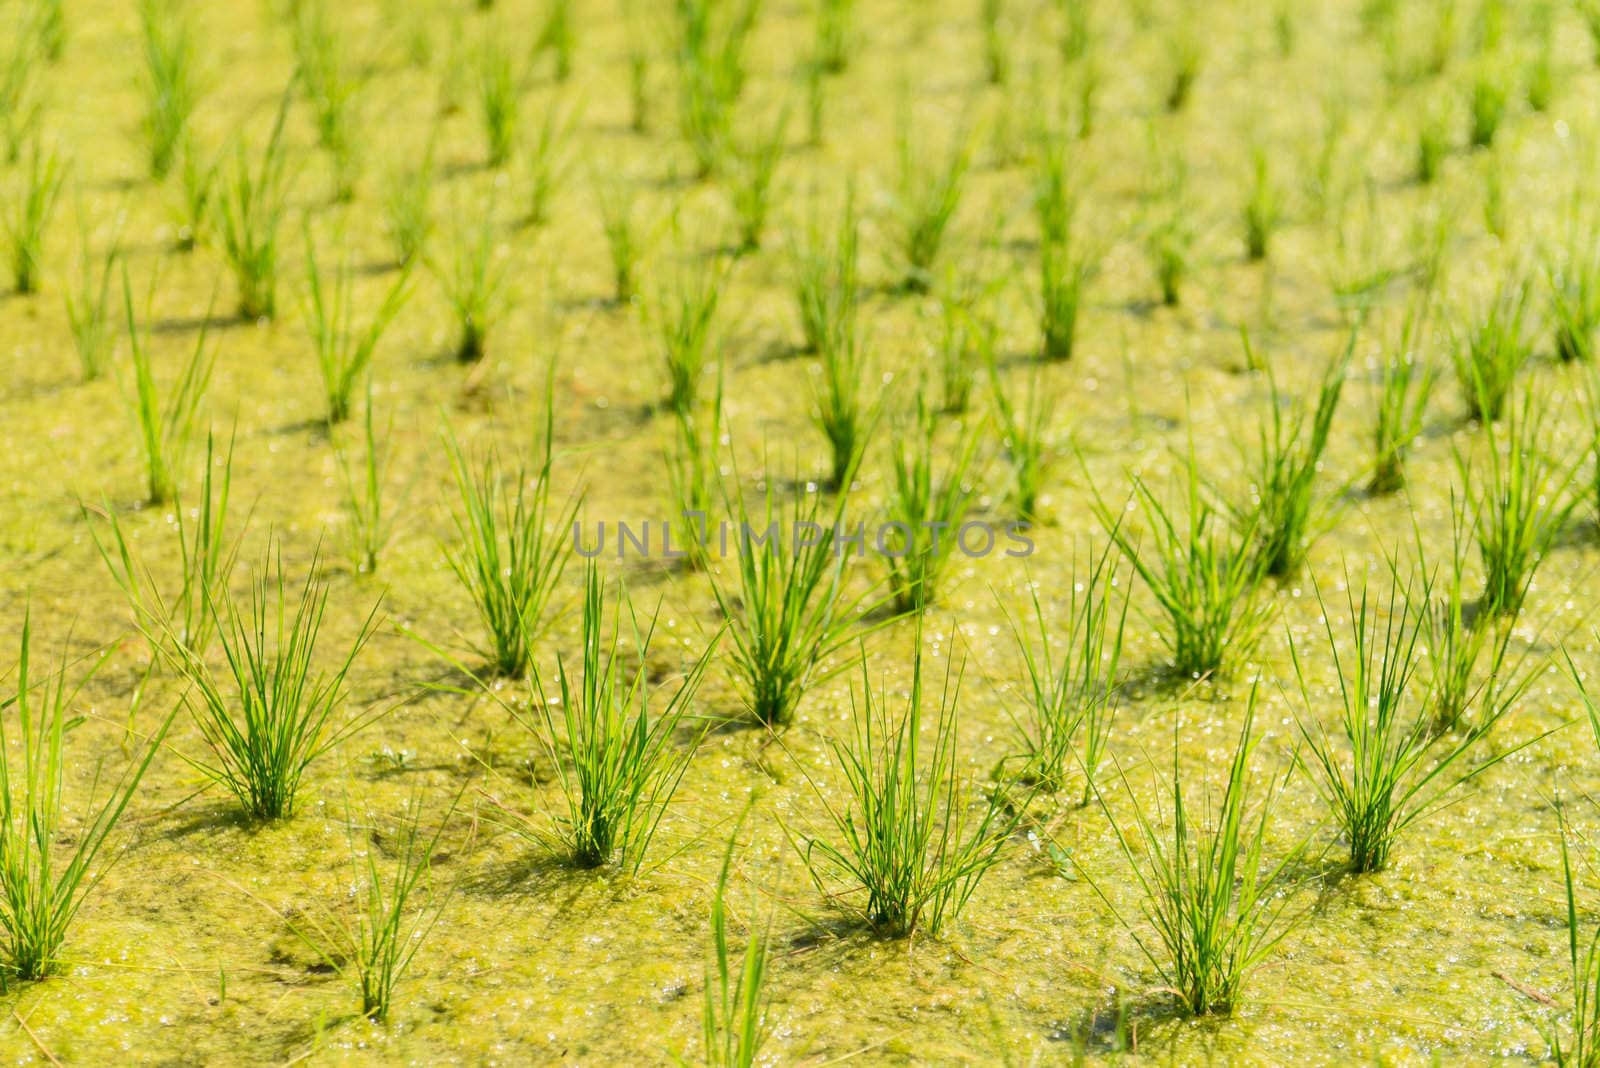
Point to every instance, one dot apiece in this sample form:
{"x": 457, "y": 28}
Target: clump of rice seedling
{"x": 1071, "y": 699}
{"x": 1490, "y": 96}
{"x": 710, "y": 51}
{"x": 1590, "y": 12}
{"x": 499, "y": 99}
{"x": 165, "y": 429}
{"x": 787, "y": 611}
{"x": 1404, "y": 385}
{"x": 343, "y": 352}
{"x": 1216, "y": 907}
{"x": 1583, "y": 1047}
{"x": 907, "y": 836}
{"x": 196, "y": 183}
{"x": 616, "y": 200}
{"x": 1574, "y": 287}
{"x": 835, "y": 20}
{"x": 20, "y": 104}
{"x": 249, "y": 212}
{"x": 47, "y": 869}
{"x": 611, "y": 751}
{"x": 1390, "y": 767}
{"x": 1263, "y": 209}
{"x": 928, "y": 196}
{"x": 845, "y": 413}
{"x": 966, "y": 342}
{"x": 693, "y": 471}
{"x": 1524, "y": 500}
{"x": 639, "y": 95}
{"x": 376, "y": 949}
{"x": 331, "y": 85}
{"x": 556, "y": 37}
{"x": 206, "y": 556}
{"x": 371, "y": 524}
{"x": 1076, "y": 37}
{"x": 472, "y": 283}
{"x": 1493, "y": 351}
{"x": 25, "y": 226}
{"x": 1024, "y": 427}
{"x": 996, "y": 58}
{"x": 171, "y": 87}
{"x": 755, "y": 165}
{"x": 271, "y": 716}
{"x": 1064, "y": 266}
{"x": 50, "y": 17}
{"x": 1170, "y": 243}
{"x": 1539, "y": 68}
{"x": 408, "y": 209}
{"x": 1433, "y": 144}
{"x": 89, "y": 313}
{"x": 925, "y": 509}
{"x": 825, "y": 280}
{"x": 1185, "y": 55}
{"x": 816, "y": 94}
{"x": 1289, "y": 454}
{"x": 734, "y": 1023}
{"x": 512, "y": 549}
{"x": 547, "y": 163}
{"x": 1204, "y": 576}
{"x": 685, "y": 319}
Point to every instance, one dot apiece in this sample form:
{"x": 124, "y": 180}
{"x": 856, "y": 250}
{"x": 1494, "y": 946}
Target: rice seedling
{"x": 331, "y": 85}
{"x": 408, "y": 209}
{"x": 547, "y": 162}
{"x": 926, "y": 505}
{"x": 639, "y": 90}
{"x": 996, "y": 57}
{"x": 1204, "y": 576}
{"x": 611, "y": 751}
{"x": 170, "y": 84}
{"x": 395, "y": 912}
{"x": 250, "y": 210}
{"x": 928, "y": 195}
{"x": 1024, "y": 425}
{"x": 557, "y": 37}
{"x": 20, "y": 101}
{"x": 344, "y": 352}
{"x": 816, "y": 97}
{"x": 499, "y": 99}
{"x": 34, "y": 203}
{"x": 1289, "y": 454}
{"x": 50, "y": 18}
{"x": 734, "y": 1024}
{"x": 755, "y": 165}
{"x": 206, "y": 557}
{"x": 89, "y": 312}
{"x": 1215, "y": 906}
{"x": 1404, "y": 385}
{"x": 1495, "y": 217}
{"x": 844, "y": 412}
{"x": 1583, "y": 1042}
{"x": 1185, "y": 55}
{"x": 1490, "y": 97}
{"x": 472, "y": 281}
{"x": 371, "y": 524}
{"x": 1170, "y": 244}
{"x": 694, "y": 473}
{"x": 685, "y": 321}
{"x": 1263, "y": 208}
{"x": 271, "y": 716}
{"x": 835, "y": 28}
{"x": 966, "y": 342}
{"x": 196, "y": 181}
{"x": 907, "y": 838}
{"x": 1071, "y": 700}
{"x": 48, "y": 868}
{"x": 616, "y": 199}
{"x": 1076, "y": 35}
{"x": 1589, "y": 10}
{"x": 786, "y": 610}
{"x": 1539, "y": 68}
{"x": 1493, "y": 350}
{"x": 1065, "y": 266}
{"x": 166, "y": 428}
{"x": 1433, "y": 144}
{"x": 1389, "y": 766}
{"x": 512, "y": 548}
{"x": 710, "y": 54}
{"x": 1525, "y": 495}
{"x": 1573, "y": 282}
{"x": 826, "y": 287}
